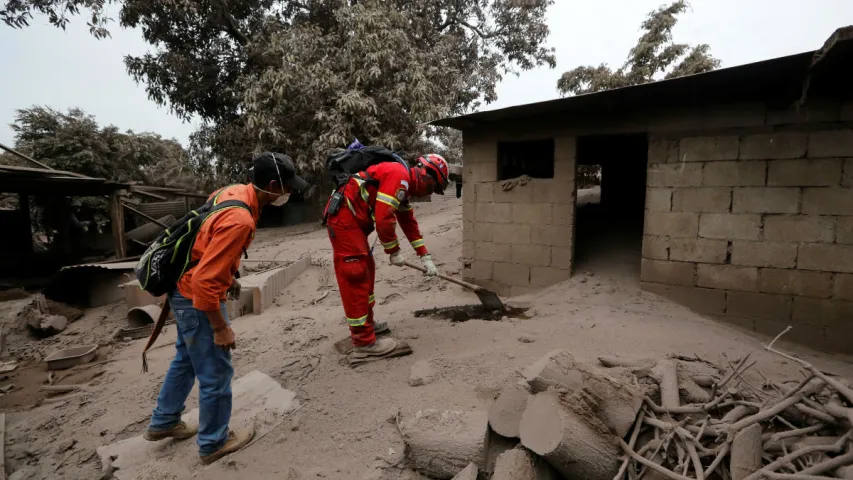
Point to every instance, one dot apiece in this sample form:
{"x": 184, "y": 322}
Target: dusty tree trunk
{"x": 505, "y": 412}
{"x": 469, "y": 473}
{"x": 666, "y": 373}
{"x": 746, "y": 452}
{"x": 515, "y": 464}
{"x": 619, "y": 400}
{"x": 440, "y": 443}
{"x": 562, "y": 429}
{"x": 495, "y": 446}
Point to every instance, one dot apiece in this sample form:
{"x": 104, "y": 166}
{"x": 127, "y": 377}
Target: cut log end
{"x": 469, "y": 473}
{"x": 541, "y": 429}
{"x": 505, "y": 413}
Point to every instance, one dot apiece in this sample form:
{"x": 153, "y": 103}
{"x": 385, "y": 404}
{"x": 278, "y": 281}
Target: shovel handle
{"x": 442, "y": 276}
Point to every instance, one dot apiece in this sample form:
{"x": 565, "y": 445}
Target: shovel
{"x": 488, "y": 298}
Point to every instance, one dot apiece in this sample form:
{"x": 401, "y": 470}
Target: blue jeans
{"x": 196, "y": 356}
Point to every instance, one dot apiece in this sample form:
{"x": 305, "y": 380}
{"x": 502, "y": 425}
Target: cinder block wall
{"x": 517, "y": 240}
{"x": 756, "y": 229}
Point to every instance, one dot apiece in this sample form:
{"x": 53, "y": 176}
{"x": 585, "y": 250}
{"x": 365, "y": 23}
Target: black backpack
{"x": 169, "y": 257}
{"x": 342, "y": 164}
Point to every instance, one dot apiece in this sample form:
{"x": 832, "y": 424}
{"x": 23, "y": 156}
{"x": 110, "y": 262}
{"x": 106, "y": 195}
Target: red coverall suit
{"x": 385, "y": 198}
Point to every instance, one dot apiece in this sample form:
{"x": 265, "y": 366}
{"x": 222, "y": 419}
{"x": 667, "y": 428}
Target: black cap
{"x": 269, "y": 166}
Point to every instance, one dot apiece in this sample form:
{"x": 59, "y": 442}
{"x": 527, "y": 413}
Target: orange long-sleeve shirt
{"x": 218, "y": 246}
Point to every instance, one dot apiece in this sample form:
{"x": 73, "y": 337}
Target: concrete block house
{"x": 730, "y": 192}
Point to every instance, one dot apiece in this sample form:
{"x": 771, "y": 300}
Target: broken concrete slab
{"x": 263, "y": 287}
{"x": 257, "y": 400}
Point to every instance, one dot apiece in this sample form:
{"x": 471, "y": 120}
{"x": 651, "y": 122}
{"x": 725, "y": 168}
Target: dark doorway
{"x": 609, "y": 216}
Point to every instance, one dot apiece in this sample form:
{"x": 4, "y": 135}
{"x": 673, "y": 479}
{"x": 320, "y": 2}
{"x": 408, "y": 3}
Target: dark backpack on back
{"x": 342, "y": 164}
{"x": 169, "y": 257}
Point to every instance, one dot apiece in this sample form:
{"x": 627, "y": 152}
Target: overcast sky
{"x": 45, "y": 66}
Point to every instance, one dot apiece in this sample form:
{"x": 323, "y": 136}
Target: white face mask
{"x": 281, "y": 200}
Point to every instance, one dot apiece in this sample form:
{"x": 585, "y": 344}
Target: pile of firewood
{"x": 676, "y": 418}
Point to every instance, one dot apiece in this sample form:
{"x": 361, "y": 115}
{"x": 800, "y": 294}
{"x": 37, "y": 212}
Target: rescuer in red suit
{"x": 381, "y": 192}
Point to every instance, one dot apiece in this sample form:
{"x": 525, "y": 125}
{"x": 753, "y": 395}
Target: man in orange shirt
{"x": 205, "y": 338}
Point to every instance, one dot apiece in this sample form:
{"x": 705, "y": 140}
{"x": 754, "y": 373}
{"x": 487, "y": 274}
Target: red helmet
{"x": 437, "y": 167}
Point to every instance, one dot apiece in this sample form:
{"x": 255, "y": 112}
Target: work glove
{"x": 397, "y": 259}
{"x": 234, "y": 290}
{"x": 431, "y": 271}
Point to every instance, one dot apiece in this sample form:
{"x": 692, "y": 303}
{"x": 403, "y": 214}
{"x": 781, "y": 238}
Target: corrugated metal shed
{"x": 177, "y": 208}
{"x": 780, "y": 81}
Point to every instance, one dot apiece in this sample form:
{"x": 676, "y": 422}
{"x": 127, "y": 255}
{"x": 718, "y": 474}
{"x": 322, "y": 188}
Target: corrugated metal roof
{"x": 176, "y": 208}
{"x": 779, "y": 80}
{"x": 102, "y": 266}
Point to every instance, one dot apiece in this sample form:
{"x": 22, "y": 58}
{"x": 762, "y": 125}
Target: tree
{"x": 74, "y": 141}
{"x": 302, "y": 76}
{"x": 655, "y": 56}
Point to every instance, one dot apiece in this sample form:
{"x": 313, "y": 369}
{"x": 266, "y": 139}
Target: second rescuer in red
{"x": 381, "y": 192}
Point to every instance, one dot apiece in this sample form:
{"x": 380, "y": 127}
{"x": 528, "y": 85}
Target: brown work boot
{"x": 382, "y": 346}
{"x": 181, "y": 431}
{"x": 236, "y": 441}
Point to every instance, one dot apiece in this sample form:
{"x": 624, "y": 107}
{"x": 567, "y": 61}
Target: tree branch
{"x": 230, "y": 23}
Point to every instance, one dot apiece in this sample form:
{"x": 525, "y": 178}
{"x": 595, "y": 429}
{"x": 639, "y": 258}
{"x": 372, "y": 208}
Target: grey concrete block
{"x": 656, "y": 248}
{"x": 511, "y": 273}
{"x": 774, "y": 146}
{"x": 492, "y": 251}
{"x": 702, "y": 149}
{"x": 845, "y": 230}
{"x": 546, "y": 276}
{"x": 804, "y": 173}
{"x": 659, "y": 199}
{"x": 828, "y": 201}
{"x": 706, "y": 301}
{"x": 670, "y": 273}
{"x": 478, "y": 270}
{"x": 735, "y": 174}
{"x": 798, "y": 228}
{"x": 561, "y": 257}
{"x": 698, "y": 250}
{"x": 796, "y": 282}
{"x": 532, "y": 255}
{"x": 730, "y": 226}
{"x": 831, "y": 143}
{"x": 673, "y": 224}
{"x": 759, "y": 305}
{"x": 551, "y": 235}
{"x": 826, "y": 257}
{"x": 727, "y": 277}
{"x": 702, "y": 200}
{"x": 532, "y": 214}
{"x": 766, "y": 200}
{"x": 830, "y": 313}
{"x": 663, "y": 151}
{"x": 843, "y": 287}
{"x": 494, "y": 212}
{"x": 764, "y": 254}
{"x": 675, "y": 175}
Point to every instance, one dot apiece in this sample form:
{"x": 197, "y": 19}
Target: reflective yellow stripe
{"x": 391, "y": 244}
{"x": 371, "y": 298}
{"x": 362, "y": 190}
{"x": 418, "y": 243}
{"x": 388, "y": 200}
{"x": 351, "y": 208}
{"x": 357, "y": 322}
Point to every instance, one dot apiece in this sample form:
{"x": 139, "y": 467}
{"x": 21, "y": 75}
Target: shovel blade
{"x": 490, "y": 300}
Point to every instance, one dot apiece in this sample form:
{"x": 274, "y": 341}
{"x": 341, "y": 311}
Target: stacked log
{"x": 676, "y": 418}
{"x": 440, "y": 444}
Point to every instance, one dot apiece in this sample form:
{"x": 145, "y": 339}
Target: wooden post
{"x": 24, "y": 207}
{"x": 117, "y": 221}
